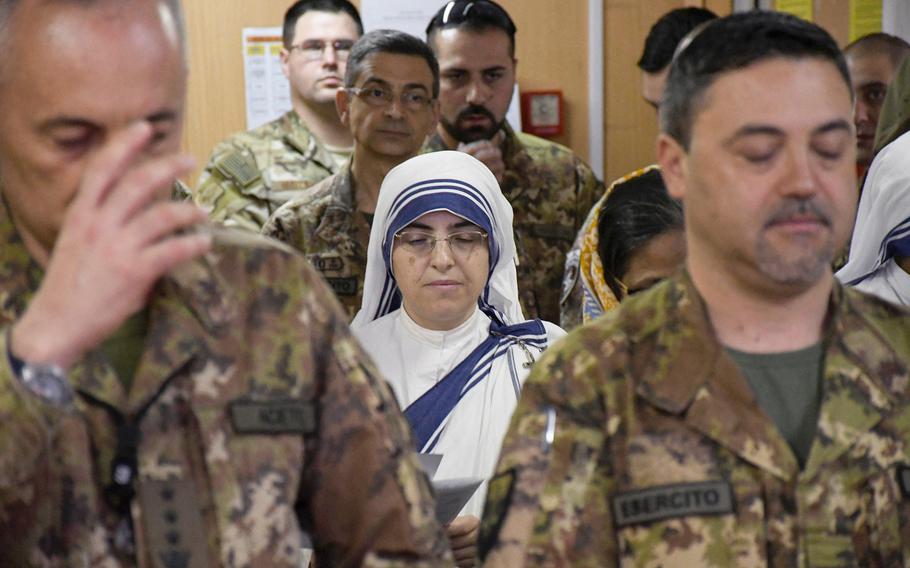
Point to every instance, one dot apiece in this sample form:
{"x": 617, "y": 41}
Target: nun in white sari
{"x": 879, "y": 261}
{"x": 440, "y": 313}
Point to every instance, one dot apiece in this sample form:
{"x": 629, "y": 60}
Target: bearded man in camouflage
{"x": 170, "y": 394}
{"x": 749, "y": 411}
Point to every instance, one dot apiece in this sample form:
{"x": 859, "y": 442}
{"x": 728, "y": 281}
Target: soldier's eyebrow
{"x": 424, "y": 227}
{"x": 754, "y": 130}
{"x": 833, "y": 126}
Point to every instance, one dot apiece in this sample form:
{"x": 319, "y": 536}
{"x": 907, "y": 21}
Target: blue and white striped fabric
{"x": 429, "y": 414}
{"x": 882, "y": 229}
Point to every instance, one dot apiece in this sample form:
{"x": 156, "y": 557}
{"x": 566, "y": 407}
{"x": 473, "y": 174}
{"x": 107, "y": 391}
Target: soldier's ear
{"x": 285, "y": 65}
{"x": 342, "y": 106}
{"x": 672, "y": 158}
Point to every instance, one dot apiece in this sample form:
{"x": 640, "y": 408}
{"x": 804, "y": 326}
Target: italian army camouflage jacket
{"x": 326, "y": 227}
{"x": 551, "y": 191}
{"x": 638, "y": 442}
{"x": 252, "y": 173}
{"x": 257, "y": 416}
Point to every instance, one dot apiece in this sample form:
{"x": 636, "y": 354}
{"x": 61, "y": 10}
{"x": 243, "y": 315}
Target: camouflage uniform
{"x": 259, "y": 416}
{"x": 252, "y": 173}
{"x": 325, "y": 225}
{"x": 662, "y": 457}
{"x": 551, "y": 191}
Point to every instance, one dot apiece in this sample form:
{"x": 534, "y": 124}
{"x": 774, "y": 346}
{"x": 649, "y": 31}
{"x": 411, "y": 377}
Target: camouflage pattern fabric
{"x": 325, "y": 226}
{"x": 660, "y": 455}
{"x": 263, "y": 417}
{"x": 252, "y": 173}
{"x": 551, "y": 191}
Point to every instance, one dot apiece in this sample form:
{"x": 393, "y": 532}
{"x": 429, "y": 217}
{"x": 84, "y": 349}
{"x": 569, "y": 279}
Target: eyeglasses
{"x": 314, "y": 49}
{"x": 461, "y": 243}
{"x": 379, "y": 97}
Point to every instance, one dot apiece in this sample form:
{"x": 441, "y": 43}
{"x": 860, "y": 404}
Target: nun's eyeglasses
{"x": 420, "y": 243}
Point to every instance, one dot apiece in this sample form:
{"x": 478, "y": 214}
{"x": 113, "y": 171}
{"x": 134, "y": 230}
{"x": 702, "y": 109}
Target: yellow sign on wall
{"x": 865, "y": 17}
{"x": 801, "y": 8}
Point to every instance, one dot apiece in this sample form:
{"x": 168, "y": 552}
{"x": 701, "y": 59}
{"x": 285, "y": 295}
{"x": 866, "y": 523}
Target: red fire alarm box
{"x": 541, "y": 113}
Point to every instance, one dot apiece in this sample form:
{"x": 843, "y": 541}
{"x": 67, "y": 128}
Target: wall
{"x": 216, "y": 97}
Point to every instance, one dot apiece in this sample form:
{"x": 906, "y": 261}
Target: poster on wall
{"x": 267, "y": 91}
{"x": 413, "y": 16}
{"x": 801, "y": 8}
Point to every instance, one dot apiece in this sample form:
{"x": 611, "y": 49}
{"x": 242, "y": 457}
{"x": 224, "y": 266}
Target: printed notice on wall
{"x": 801, "y": 8}
{"x": 267, "y": 92}
{"x": 865, "y": 17}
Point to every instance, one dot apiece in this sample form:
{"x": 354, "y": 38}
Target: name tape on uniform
{"x": 273, "y": 417}
{"x": 671, "y": 501}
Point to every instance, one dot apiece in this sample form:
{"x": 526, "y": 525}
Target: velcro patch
{"x": 343, "y": 286}
{"x": 499, "y": 497}
{"x": 671, "y": 501}
{"x": 238, "y": 168}
{"x": 273, "y": 417}
{"x": 327, "y": 263}
{"x": 903, "y": 479}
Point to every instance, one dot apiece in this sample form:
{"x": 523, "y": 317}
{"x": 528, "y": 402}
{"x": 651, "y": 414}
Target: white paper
{"x": 268, "y": 94}
{"x": 429, "y": 463}
{"x": 452, "y": 495}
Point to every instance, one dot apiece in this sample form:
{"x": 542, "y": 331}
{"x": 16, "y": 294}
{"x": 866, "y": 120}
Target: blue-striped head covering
{"x": 440, "y": 181}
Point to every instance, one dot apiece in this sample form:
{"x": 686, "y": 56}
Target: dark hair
{"x": 733, "y": 43}
{"x": 666, "y": 34}
{"x": 894, "y": 47}
{"x": 474, "y": 15}
{"x": 389, "y": 41}
{"x": 301, "y": 7}
{"x": 636, "y": 211}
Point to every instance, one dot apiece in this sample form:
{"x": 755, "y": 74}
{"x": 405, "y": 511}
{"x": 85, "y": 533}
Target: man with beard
{"x": 750, "y": 410}
{"x": 390, "y": 105}
{"x": 252, "y": 173}
{"x": 550, "y": 188}
{"x": 873, "y": 60}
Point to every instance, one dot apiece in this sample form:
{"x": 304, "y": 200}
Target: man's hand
{"x": 489, "y": 152}
{"x": 462, "y": 533}
{"x": 118, "y": 237}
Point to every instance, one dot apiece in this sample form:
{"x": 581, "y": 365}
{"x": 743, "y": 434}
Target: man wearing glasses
{"x": 252, "y": 173}
{"x": 550, "y": 188}
{"x": 389, "y": 104}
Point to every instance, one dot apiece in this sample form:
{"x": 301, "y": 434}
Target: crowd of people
{"x": 266, "y": 364}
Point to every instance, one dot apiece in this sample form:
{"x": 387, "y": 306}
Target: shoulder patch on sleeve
{"x": 239, "y": 168}
{"x": 499, "y": 497}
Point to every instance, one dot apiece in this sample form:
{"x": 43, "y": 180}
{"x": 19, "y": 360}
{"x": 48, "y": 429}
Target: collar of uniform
{"x": 683, "y": 351}
{"x": 298, "y": 136}
{"x": 865, "y": 378}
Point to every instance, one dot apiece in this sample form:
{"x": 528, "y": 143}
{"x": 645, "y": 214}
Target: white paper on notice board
{"x": 412, "y": 16}
{"x": 267, "y": 91}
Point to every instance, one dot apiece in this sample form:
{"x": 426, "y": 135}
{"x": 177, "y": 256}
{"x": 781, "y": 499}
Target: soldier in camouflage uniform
{"x": 550, "y": 188}
{"x": 251, "y": 174}
{"x": 171, "y": 395}
{"x": 330, "y": 224}
{"x": 686, "y": 427}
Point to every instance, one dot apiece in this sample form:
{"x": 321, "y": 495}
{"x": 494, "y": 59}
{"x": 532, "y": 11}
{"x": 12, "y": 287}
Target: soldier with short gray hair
{"x": 171, "y": 394}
